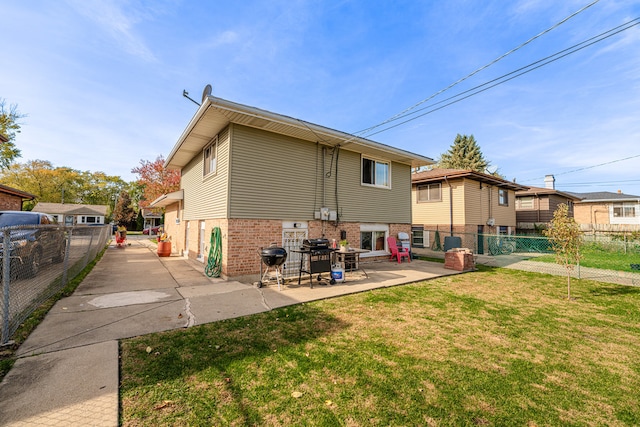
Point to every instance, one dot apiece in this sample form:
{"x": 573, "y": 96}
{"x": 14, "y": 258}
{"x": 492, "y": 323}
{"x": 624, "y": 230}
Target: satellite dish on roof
{"x": 206, "y": 92}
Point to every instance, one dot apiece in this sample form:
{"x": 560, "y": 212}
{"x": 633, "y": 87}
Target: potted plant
{"x": 344, "y": 245}
{"x": 164, "y": 245}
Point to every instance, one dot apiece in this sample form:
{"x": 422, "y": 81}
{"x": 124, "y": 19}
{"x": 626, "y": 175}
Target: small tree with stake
{"x": 566, "y": 239}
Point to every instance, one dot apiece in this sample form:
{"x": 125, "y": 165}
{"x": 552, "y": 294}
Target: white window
{"x": 429, "y": 193}
{"x": 418, "y": 236}
{"x": 376, "y": 173}
{"x": 525, "y": 202}
{"x": 624, "y": 210}
{"x": 210, "y": 155}
{"x": 503, "y": 197}
{"x": 373, "y": 237}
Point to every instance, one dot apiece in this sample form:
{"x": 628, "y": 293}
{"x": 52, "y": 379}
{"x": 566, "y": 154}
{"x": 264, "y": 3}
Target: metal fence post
{"x": 65, "y": 269}
{"x": 89, "y": 249}
{"x": 6, "y": 282}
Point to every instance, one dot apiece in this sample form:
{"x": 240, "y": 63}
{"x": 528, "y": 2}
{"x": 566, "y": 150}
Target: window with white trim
{"x": 376, "y": 173}
{"x": 503, "y": 197}
{"x": 210, "y": 156}
{"x": 373, "y": 237}
{"x": 624, "y": 210}
{"x": 429, "y": 193}
{"x": 525, "y": 202}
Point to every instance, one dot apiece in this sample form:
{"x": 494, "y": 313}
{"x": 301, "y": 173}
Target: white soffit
{"x": 215, "y": 114}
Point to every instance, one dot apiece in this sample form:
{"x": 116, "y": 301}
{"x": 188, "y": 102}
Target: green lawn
{"x": 597, "y": 256}
{"x": 494, "y": 347}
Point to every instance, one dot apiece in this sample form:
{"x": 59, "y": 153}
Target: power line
{"x": 517, "y": 73}
{"x": 407, "y": 110}
{"x": 588, "y": 184}
{"x": 586, "y": 167}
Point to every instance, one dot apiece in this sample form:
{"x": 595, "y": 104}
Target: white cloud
{"x": 118, "y": 20}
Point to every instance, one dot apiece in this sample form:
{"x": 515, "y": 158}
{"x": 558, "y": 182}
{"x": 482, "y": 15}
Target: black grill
{"x": 315, "y": 244}
{"x": 318, "y": 254}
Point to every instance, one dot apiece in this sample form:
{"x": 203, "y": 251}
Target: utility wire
{"x": 586, "y": 167}
{"x": 571, "y": 49}
{"x": 404, "y": 112}
{"x": 517, "y": 73}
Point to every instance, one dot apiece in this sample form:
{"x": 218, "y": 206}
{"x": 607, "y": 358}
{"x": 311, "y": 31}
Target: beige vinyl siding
{"x": 272, "y": 176}
{"x": 364, "y": 203}
{"x": 504, "y": 215}
{"x": 477, "y": 202}
{"x": 206, "y": 197}
{"x": 440, "y": 212}
{"x": 278, "y": 177}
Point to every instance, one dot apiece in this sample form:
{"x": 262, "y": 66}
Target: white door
{"x": 201, "y": 242}
{"x": 292, "y": 238}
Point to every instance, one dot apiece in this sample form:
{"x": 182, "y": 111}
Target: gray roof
{"x": 606, "y": 196}
{"x": 70, "y": 209}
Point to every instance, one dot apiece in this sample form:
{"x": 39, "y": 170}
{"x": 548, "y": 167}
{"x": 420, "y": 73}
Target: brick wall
{"x": 10, "y": 203}
{"x": 242, "y": 238}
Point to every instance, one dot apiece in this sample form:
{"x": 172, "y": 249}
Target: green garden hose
{"x": 214, "y": 262}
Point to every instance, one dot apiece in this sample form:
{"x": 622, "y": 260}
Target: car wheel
{"x": 59, "y": 257}
{"x": 34, "y": 263}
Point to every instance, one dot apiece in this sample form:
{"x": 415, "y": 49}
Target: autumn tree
{"x": 124, "y": 213}
{"x": 566, "y": 238}
{"x": 465, "y": 153}
{"x": 9, "y": 127}
{"x": 155, "y": 180}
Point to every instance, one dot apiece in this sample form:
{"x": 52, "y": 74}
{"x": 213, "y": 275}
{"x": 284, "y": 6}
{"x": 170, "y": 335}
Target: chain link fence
{"x": 37, "y": 261}
{"x": 520, "y": 252}
{"x": 489, "y": 244}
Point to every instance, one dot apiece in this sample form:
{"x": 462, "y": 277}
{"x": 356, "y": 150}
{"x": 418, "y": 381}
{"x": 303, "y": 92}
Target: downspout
{"x": 450, "y": 206}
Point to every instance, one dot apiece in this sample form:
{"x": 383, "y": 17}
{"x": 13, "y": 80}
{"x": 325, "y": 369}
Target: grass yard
{"x": 596, "y": 256}
{"x": 495, "y": 347}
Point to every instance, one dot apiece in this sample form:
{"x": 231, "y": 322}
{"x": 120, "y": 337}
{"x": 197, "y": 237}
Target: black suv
{"x": 34, "y": 238}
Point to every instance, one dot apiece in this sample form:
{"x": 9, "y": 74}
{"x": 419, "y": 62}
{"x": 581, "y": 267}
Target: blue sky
{"x": 101, "y": 81}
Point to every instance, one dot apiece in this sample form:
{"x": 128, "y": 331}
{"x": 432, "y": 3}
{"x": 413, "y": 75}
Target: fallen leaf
{"x": 328, "y": 402}
{"x": 296, "y": 394}
{"x": 149, "y": 349}
{"x": 180, "y": 316}
{"x": 164, "y": 404}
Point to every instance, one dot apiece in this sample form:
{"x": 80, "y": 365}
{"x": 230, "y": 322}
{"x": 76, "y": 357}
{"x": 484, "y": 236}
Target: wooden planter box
{"x": 459, "y": 259}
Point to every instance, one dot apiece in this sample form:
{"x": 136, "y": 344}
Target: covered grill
{"x": 273, "y": 257}
{"x": 318, "y": 255}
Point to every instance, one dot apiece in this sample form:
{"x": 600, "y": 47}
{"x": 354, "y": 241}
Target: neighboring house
{"x": 152, "y": 217}
{"x": 607, "y": 211}
{"x": 536, "y": 205}
{"x": 462, "y": 202}
{"x": 11, "y": 198}
{"x": 265, "y": 178}
{"x": 74, "y": 214}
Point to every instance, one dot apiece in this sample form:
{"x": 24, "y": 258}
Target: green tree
{"x": 62, "y": 184}
{"x": 9, "y": 127}
{"x": 566, "y": 239}
{"x": 464, "y": 153}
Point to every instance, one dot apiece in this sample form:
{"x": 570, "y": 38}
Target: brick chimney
{"x": 550, "y": 182}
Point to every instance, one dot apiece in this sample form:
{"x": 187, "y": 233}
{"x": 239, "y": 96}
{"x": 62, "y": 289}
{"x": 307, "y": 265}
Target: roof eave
{"x": 225, "y": 112}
